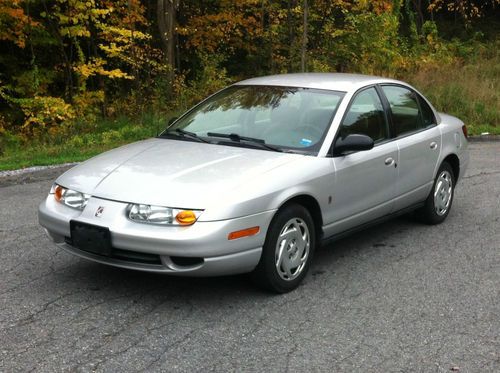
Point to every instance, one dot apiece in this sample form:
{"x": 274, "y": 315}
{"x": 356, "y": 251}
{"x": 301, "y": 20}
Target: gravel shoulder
{"x": 33, "y": 174}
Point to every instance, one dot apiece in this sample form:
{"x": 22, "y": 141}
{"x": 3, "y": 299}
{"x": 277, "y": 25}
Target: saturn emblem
{"x": 99, "y": 211}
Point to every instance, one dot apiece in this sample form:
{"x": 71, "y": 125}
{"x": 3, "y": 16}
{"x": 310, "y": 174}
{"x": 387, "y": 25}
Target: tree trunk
{"x": 68, "y": 65}
{"x": 166, "y": 15}
{"x": 291, "y": 35}
{"x": 417, "y": 4}
{"x": 303, "y": 54}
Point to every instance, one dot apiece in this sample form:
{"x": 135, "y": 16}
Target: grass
{"x": 469, "y": 91}
{"x": 49, "y": 155}
{"x": 81, "y": 144}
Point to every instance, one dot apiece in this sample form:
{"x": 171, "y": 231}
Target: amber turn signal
{"x": 186, "y": 217}
{"x": 58, "y": 192}
{"x": 243, "y": 233}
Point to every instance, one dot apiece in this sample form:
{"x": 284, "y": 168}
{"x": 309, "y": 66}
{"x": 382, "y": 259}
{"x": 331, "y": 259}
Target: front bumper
{"x": 201, "y": 249}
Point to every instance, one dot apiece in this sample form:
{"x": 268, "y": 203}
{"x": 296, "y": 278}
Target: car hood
{"x": 171, "y": 172}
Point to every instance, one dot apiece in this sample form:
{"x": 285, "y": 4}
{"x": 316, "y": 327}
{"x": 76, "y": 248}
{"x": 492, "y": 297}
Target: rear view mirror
{"x": 352, "y": 143}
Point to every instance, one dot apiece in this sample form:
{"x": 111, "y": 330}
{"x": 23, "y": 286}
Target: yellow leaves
{"x": 62, "y": 18}
{"x": 123, "y": 35}
{"x": 112, "y": 50}
{"x": 115, "y": 74}
{"x": 111, "y": 27}
{"x": 74, "y": 31}
{"x": 362, "y": 4}
{"x": 74, "y": 17}
{"x": 96, "y": 13}
{"x": 96, "y": 66}
{"x": 123, "y": 45}
{"x": 42, "y": 114}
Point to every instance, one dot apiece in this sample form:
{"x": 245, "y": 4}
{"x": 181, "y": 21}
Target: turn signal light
{"x": 464, "y": 130}
{"x": 243, "y": 233}
{"x": 186, "y": 217}
{"x": 58, "y": 193}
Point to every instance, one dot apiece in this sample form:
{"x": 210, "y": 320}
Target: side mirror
{"x": 352, "y": 143}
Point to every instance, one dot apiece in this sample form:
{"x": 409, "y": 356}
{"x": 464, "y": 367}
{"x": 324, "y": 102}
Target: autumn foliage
{"x": 68, "y": 62}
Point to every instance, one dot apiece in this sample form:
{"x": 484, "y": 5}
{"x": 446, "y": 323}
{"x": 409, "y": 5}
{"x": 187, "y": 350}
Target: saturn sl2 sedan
{"x": 258, "y": 175}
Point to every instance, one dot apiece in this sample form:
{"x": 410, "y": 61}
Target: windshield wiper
{"x": 186, "y": 134}
{"x": 237, "y": 138}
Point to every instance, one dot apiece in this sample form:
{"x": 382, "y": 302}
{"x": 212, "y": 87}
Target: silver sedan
{"x": 256, "y": 176}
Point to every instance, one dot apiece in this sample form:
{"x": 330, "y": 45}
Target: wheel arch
{"x": 453, "y": 160}
{"x": 311, "y": 204}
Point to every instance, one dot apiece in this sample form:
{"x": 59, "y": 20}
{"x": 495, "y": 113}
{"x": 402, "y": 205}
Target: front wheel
{"x": 287, "y": 251}
{"x": 438, "y": 203}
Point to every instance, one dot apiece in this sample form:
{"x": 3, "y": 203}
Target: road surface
{"x": 399, "y": 297}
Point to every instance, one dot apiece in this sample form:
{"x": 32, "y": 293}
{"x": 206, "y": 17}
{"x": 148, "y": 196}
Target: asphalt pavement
{"x": 399, "y": 297}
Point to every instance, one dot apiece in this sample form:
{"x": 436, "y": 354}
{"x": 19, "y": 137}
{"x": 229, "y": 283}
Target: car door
{"x": 364, "y": 181}
{"x": 419, "y": 143}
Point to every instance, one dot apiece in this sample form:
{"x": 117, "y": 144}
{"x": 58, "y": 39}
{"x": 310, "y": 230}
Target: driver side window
{"x": 366, "y": 117}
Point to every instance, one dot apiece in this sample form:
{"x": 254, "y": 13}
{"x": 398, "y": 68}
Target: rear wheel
{"x": 287, "y": 251}
{"x": 438, "y": 203}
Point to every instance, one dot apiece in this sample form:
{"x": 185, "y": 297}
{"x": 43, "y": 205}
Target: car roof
{"x": 330, "y": 81}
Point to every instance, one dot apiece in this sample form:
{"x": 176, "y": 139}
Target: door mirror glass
{"x": 352, "y": 143}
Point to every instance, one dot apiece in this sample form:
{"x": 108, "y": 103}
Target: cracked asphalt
{"x": 399, "y": 297}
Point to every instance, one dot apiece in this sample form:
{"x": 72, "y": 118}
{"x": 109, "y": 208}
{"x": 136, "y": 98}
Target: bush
{"x": 45, "y": 115}
{"x": 468, "y": 91}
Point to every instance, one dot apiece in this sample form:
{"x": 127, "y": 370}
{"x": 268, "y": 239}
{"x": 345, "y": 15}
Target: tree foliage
{"x": 468, "y": 10}
{"x": 64, "y": 62}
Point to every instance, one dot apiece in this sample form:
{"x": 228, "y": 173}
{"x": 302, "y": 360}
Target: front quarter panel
{"x": 307, "y": 175}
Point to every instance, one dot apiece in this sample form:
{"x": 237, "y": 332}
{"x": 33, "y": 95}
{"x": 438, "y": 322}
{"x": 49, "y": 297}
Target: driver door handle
{"x": 433, "y": 145}
{"x": 389, "y": 161}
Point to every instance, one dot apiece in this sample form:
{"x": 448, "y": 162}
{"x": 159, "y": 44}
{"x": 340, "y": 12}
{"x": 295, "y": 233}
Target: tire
{"x": 438, "y": 203}
{"x": 285, "y": 260}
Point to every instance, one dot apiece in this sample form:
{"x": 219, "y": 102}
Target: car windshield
{"x": 273, "y": 118}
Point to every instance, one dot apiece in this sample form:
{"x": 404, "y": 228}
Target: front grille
{"x": 135, "y": 256}
{"x": 124, "y": 255}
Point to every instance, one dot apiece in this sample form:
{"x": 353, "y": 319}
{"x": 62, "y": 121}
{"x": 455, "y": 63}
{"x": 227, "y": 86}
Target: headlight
{"x": 69, "y": 197}
{"x": 162, "y": 215}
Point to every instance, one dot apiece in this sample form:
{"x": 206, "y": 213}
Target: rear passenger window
{"x": 365, "y": 117}
{"x": 427, "y": 113}
{"x": 406, "y": 116}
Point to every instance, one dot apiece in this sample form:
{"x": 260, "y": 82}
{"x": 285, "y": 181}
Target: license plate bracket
{"x": 91, "y": 238}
